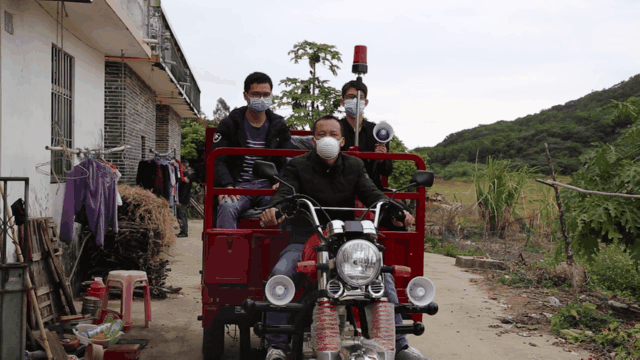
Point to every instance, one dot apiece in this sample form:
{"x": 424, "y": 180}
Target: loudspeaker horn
{"x": 421, "y": 291}
{"x": 383, "y": 132}
{"x": 280, "y": 290}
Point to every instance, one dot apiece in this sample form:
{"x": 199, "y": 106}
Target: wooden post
{"x": 563, "y": 224}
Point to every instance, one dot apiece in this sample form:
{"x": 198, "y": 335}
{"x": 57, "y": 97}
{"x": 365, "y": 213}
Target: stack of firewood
{"x": 146, "y": 234}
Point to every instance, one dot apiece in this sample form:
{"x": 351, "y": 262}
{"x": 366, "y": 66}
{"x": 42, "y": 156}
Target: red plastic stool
{"x": 127, "y": 280}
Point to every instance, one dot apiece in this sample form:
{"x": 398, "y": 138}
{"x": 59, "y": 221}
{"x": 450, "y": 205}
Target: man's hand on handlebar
{"x": 408, "y": 220}
{"x": 233, "y": 198}
{"x": 276, "y": 186}
{"x": 269, "y": 217}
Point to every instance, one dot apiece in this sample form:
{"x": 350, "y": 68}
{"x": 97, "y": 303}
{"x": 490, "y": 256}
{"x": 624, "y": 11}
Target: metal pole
{"x": 357, "y": 139}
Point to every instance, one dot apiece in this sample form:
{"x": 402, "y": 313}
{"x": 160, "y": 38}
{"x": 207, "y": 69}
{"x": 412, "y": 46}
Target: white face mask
{"x": 350, "y": 106}
{"x": 260, "y": 104}
{"x": 328, "y": 147}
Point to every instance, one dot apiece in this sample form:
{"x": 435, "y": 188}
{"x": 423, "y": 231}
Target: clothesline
{"x": 87, "y": 151}
{"x": 157, "y": 154}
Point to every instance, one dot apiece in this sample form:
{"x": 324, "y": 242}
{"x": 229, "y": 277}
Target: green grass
{"x": 537, "y": 196}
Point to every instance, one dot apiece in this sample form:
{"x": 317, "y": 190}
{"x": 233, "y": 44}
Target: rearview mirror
{"x": 264, "y": 170}
{"x": 422, "y": 178}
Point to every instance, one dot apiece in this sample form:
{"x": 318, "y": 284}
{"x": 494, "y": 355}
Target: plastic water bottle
{"x": 97, "y": 289}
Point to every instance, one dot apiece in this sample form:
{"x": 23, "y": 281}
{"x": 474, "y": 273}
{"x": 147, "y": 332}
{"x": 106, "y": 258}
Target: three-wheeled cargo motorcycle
{"x": 341, "y": 311}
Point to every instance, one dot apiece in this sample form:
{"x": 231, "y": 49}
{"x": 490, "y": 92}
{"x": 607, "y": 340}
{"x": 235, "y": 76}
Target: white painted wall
{"x": 25, "y": 100}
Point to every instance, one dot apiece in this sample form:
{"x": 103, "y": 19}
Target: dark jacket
{"x": 367, "y": 143}
{"x": 333, "y": 186}
{"x": 184, "y": 188}
{"x": 231, "y": 133}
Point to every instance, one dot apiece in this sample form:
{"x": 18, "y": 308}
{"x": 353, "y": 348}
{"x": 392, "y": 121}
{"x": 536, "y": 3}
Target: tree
{"x": 313, "y": 97}
{"x": 193, "y": 145}
{"x": 221, "y": 111}
{"x": 402, "y": 169}
{"x": 614, "y": 168}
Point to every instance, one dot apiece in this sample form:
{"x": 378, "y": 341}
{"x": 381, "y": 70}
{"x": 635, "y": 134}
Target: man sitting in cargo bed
{"x": 252, "y": 126}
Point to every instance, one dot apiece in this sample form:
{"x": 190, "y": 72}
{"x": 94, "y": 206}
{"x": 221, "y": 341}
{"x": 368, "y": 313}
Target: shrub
{"x": 580, "y": 316}
{"x": 614, "y": 271}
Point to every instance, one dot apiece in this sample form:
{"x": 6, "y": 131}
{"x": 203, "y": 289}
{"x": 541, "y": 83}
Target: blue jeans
{"x": 228, "y": 210}
{"x": 286, "y": 265}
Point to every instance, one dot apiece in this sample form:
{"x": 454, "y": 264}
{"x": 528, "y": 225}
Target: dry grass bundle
{"x": 143, "y": 211}
{"x": 145, "y": 236}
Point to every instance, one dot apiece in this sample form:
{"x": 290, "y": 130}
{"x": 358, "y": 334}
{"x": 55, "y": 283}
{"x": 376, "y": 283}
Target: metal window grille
{"x": 62, "y": 76}
{"x": 8, "y": 22}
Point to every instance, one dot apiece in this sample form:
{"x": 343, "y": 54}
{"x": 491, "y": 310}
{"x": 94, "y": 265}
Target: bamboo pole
{"x": 32, "y": 294}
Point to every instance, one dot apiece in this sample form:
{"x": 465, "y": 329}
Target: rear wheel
{"x": 213, "y": 342}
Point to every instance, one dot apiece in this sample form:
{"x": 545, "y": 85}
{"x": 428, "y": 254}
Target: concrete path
{"x": 460, "y": 330}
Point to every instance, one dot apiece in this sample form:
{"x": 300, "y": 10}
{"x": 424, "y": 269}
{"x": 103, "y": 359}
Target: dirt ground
{"x": 467, "y": 326}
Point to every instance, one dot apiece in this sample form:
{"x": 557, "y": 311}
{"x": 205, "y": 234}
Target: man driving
{"x": 332, "y": 179}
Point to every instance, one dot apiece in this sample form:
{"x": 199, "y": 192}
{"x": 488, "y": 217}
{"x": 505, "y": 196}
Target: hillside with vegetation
{"x": 569, "y": 129}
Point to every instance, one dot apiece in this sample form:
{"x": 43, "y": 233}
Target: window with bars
{"x": 62, "y": 77}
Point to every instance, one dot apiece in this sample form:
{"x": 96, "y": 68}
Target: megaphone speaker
{"x": 280, "y": 290}
{"x": 383, "y": 132}
{"x": 421, "y": 291}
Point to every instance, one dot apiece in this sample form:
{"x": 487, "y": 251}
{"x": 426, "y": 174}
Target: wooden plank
{"x": 43, "y": 304}
{"x": 54, "y": 342}
{"x": 60, "y": 274}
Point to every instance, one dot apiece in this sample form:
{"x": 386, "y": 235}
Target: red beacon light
{"x": 360, "y": 60}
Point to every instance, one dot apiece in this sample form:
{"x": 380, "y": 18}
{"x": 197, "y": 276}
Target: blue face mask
{"x": 350, "y": 106}
{"x": 260, "y": 104}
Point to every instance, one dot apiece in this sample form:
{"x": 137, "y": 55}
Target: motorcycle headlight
{"x": 358, "y": 262}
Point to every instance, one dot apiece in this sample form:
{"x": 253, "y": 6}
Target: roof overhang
{"x": 104, "y": 25}
{"x": 159, "y": 78}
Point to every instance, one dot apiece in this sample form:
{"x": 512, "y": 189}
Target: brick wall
{"x": 168, "y": 130}
{"x": 130, "y": 114}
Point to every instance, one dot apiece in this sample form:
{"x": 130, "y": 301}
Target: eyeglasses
{"x": 256, "y": 94}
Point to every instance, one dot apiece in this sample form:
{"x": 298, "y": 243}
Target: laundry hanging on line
{"x": 91, "y": 195}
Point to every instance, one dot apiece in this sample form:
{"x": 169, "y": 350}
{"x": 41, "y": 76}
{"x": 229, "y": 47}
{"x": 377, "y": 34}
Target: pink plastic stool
{"x": 127, "y": 280}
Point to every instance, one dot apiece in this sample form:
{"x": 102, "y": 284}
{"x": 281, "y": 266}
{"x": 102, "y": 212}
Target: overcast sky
{"x": 435, "y": 67}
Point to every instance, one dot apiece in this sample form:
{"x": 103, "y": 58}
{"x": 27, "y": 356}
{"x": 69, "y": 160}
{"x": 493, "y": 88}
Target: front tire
{"x": 213, "y": 342}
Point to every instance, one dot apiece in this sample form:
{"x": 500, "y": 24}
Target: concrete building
{"x": 91, "y": 73}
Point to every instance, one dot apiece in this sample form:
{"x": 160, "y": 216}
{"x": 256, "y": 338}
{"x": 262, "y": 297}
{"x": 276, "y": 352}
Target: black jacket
{"x": 367, "y": 143}
{"x": 184, "y": 188}
{"x": 231, "y": 133}
{"x": 333, "y": 186}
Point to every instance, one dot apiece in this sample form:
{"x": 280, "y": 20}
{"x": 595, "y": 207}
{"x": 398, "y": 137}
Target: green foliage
{"x": 310, "y": 98}
{"x": 626, "y": 342}
{"x": 498, "y": 189}
{"x": 613, "y": 168}
{"x": 580, "y": 316}
{"x": 193, "y": 135}
{"x": 192, "y": 146}
{"x": 574, "y": 320}
{"x": 568, "y": 129}
{"x": 460, "y": 170}
{"x": 402, "y": 169}
{"x": 448, "y": 249}
{"x": 511, "y": 280}
{"x": 613, "y": 271}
